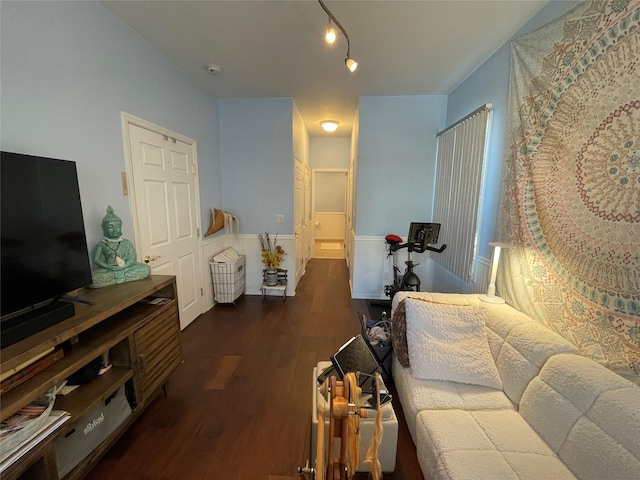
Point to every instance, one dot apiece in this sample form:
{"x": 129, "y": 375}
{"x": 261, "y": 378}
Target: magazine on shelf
{"x": 54, "y": 421}
{"x": 158, "y": 300}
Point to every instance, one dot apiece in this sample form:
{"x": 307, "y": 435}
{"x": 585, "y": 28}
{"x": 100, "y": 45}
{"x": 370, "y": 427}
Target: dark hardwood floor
{"x": 239, "y": 407}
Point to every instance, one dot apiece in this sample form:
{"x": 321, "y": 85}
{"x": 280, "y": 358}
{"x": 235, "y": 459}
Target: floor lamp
{"x": 491, "y": 297}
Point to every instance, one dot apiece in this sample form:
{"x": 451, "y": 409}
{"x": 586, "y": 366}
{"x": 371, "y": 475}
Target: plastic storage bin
{"x": 91, "y": 431}
{"x": 228, "y": 279}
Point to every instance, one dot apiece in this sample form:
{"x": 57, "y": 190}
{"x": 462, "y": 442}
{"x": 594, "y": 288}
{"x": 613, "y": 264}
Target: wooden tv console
{"x": 144, "y": 345}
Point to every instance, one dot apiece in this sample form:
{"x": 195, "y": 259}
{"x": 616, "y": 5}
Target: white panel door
{"x": 164, "y": 181}
{"x": 298, "y": 214}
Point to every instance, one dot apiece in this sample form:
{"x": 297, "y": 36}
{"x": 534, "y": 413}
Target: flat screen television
{"x": 43, "y": 247}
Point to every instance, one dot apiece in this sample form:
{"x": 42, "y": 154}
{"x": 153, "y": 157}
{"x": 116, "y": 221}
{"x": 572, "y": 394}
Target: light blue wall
{"x": 256, "y": 151}
{"x": 396, "y": 162}
{"x": 490, "y": 84}
{"x": 396, "y": 159}
{"x": 68, "y": 70}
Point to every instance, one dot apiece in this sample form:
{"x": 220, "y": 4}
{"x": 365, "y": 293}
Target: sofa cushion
{"x": 416, "y": 395}
{"x": 500, "y": 320}
{"x": 588, "y": 415}
{"x": 399, "y": 334}
{"x": 449, "y": 342}
{"x": 524, "y": 351}
{"x": 399, "y": 318}
{"x": 483, "y": 445}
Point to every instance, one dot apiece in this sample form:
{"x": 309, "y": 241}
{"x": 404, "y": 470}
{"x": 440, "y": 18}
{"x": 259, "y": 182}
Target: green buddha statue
{"x": 115, "y": 257}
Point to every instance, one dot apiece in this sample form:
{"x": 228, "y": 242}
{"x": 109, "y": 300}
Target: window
{"x": 461, "y": 161}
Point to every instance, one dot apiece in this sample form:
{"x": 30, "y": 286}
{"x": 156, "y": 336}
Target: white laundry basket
{"x": 228, "y": 278}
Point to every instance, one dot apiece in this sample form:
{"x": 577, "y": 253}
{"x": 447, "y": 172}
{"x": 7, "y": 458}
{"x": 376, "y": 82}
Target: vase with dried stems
{"x": 272, "y": 256}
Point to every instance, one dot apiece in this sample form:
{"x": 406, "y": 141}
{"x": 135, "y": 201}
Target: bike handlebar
{"x": 394, "y": 246}
{"x": 437, "y": 250}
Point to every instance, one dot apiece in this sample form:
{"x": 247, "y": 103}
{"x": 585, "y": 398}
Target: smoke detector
{"x": 213, "y": 69}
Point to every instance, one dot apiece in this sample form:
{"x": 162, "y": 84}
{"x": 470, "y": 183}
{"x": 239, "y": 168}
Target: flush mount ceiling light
{"x": 349, "y": 62}
{"x": 329, "y": 125}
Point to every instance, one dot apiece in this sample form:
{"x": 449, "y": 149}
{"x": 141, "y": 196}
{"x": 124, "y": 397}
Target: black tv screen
{"x": 44, "y": 247}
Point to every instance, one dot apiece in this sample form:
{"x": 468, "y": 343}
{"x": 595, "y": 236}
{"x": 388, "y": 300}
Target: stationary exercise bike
{"x": 420, "y": 236}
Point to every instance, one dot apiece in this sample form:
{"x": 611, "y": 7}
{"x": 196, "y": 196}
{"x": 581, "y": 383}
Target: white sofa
{"x": 557, "y": 415}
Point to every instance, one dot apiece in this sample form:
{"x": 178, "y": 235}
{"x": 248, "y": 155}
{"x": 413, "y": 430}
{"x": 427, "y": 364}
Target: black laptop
{"x": 356, "y": 356}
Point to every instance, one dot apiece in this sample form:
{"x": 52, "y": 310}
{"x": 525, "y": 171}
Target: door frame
{"x": 315, "y": 171}
{"x": 126, "y": 120}
{"x": 298, "y": 208}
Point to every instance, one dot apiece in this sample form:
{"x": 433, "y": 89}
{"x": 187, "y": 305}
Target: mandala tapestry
{"x": 571, "y": 180}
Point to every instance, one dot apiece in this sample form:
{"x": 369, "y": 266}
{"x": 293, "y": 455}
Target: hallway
{"x": 239, "y": 407}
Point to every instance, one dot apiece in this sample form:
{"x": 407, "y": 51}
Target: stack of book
{"x": 17, "y": 376}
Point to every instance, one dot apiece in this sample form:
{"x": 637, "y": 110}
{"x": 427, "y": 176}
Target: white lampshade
{"x": 329, "y": 125}
{"x": 351, "y": 64}
{"x": 491, "y": 296}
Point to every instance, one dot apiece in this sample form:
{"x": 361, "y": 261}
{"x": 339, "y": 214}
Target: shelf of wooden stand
{"x": 92, "y": 343}
{"x": 108, "y": 302}
{"x": 86, "y": 398}
{"x": 144, "y": 344}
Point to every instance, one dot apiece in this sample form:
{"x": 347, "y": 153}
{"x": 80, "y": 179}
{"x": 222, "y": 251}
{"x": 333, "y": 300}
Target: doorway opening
{"x": 329, "y": 212}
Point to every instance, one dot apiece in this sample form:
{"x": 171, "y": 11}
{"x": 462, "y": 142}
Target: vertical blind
{"x": 460, "y": 171}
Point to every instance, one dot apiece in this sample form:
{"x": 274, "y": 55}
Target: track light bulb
{"x": 351, "y": 64}
{"x": 330, "y": 35}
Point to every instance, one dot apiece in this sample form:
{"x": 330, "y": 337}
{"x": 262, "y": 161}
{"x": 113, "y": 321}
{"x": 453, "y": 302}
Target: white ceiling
{"x": 271, "y": 48}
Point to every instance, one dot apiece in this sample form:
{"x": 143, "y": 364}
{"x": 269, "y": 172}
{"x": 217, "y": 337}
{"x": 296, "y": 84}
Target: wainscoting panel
{"x": 372, "y": 270}
{"x": 481, "y": 276}
{"x": 248, "y": 245}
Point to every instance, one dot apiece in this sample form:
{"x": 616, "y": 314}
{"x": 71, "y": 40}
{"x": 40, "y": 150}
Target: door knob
{"x": 148, "y": 259}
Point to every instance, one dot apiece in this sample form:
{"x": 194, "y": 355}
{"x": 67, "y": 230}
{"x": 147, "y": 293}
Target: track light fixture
{"x": 349, "y": 62}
